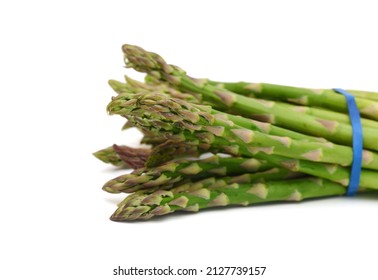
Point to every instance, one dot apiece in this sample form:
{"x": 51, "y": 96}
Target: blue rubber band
{"x": 357, "y": 140}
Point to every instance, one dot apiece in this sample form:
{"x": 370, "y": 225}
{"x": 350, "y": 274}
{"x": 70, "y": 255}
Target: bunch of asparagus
{"x": 217, "y": 144}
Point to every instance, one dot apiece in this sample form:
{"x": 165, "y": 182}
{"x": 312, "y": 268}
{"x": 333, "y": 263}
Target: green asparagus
{"x": 324, "y": 98}
{"x": 222, "y": 99}
{"x": 213, "y": 192}
{"x": 195, "y": 123}
{"x": 218, "y": 144}
{"x": 176, "y": 171}
{"x": 123, "y": 156}
{"x": 175, "y": 115}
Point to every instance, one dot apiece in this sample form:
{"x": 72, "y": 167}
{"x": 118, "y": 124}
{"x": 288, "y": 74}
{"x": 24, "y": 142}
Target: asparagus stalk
{"x": 223, "y": 99}
{"x": 265, "y": 127}
{"x": 134, "y": 86}
{"x": 176, "y": 117}
{"x": 127, "y": 125}
{"x": 213, "y": 192}
{"x": 108, "y": 155}
{"x": 302, "y": 109}
{"x": 152, "y": 140}
{"x": 373, "y": 96}
{"x": 329, "y": 115}
{"x": 174, "y": 148}
{"x": 134, "y": 157}
{"x": 324, "y": 98}
{"x": 272, "y": 174}
{"x": 178, "y": 170}
{"x": 123, "y": 156}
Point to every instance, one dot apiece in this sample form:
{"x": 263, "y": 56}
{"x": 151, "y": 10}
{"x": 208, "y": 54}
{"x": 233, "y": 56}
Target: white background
{"x": 55, "y": 60}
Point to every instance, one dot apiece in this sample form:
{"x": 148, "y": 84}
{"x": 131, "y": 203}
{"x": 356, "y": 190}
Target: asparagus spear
{"x": 178, "y": 170}
{"x": 223, "y": 99}
{"x": 271, "y": 174}
{"x": 302, "y": 109}
{"x": 176, "y": 117}
{"x": 324, "y": 98}
{"x": 329, "y": 115}
{"x": 123, "y": 156}
{"x": 127, "y": 125}
{"x": 108, "y": 155}
{"x": 265, "y": 127}
{"x": 134, "y": 157}
{"x": 134, "y": 86}
{"x": 213, "y": 192}
{"x": 174, "y": 148}
{"x": 152, "y": 140}
{"x": 365, "y": 95}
